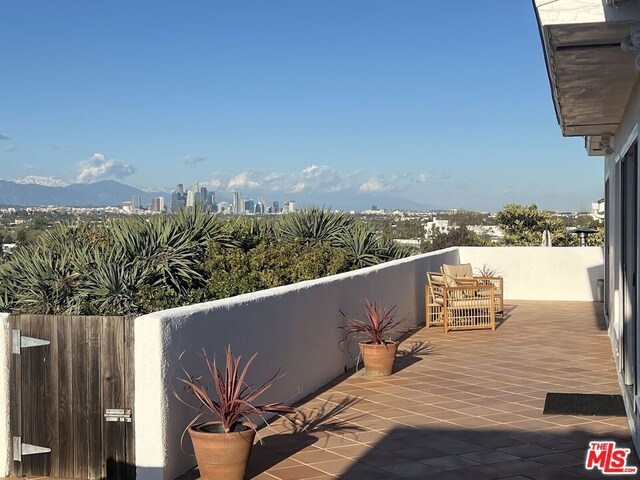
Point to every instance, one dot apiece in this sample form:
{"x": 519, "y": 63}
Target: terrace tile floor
{"x": 466, "y": 405}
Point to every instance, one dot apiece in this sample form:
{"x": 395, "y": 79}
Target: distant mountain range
{"x": 98, "y": 194}
{"x": 35, "y": 191}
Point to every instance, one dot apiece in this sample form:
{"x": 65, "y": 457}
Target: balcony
{"x": 460, "y": 405}
{"x": 468, "y": 406}
{"x": 457, "y": 395}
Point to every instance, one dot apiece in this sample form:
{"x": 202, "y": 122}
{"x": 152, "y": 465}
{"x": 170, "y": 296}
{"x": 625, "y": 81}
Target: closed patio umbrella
{"x": 546, "y": 238}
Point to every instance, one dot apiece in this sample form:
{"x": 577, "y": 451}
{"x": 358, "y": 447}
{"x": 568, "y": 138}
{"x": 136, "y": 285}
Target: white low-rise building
{"x": 491, "y": 232}
{"x": 435, "y": 226}
{"x": 598, "y": 210}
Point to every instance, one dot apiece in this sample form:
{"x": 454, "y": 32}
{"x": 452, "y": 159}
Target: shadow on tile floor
{"x": 431, "y": 453}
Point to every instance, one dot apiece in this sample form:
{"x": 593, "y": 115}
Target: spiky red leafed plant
{"x": 235, "y": 399}
{"x": 377, "y": 325}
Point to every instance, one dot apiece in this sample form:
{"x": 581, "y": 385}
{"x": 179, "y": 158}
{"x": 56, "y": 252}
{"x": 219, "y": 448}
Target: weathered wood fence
{"x": 72, "y": 381}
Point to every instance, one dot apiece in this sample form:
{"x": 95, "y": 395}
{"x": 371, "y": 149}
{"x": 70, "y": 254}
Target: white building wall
{"x": 294, "y": 328}
{"x": 542, "y": 273}
{"x": 5, "y": 357}
{"x": 624, "y": 138}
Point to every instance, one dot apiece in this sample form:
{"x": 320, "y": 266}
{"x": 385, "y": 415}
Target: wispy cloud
{"x": 98, "y": 167}
{"x": 193, "y": 161}
{"x": 375, "y": 184}
{"x": 397, "y": 182}
{"x": 4, "y": 136}
{"x": 28, "y": 166}
{"x": 10, "y": 148}
{"x": 214, "y": 184}
{"x": 317, "y": 179}
{"x": 244, "y": 180}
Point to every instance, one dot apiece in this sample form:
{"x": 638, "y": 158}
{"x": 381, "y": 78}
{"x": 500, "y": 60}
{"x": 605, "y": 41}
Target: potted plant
{"x": 374, "y": 331}
{"x": 221, "y": 432}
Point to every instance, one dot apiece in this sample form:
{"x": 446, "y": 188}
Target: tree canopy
{"x": 524, "y": 225}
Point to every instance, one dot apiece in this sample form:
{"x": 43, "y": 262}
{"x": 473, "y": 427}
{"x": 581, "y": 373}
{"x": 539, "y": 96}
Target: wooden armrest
{"x": 467, "y": 291}
{"x": 466, "y": 280}
{"x": 469, "y": 287}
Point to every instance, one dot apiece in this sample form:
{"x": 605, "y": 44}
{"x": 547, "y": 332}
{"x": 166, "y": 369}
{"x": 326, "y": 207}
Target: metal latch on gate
{"x": 19, "y": 342}
{"x": 21, "y": 449}
{"x": 117, "y": 415}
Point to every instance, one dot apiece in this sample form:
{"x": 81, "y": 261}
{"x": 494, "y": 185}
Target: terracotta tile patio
{"x": 466, "y": 405}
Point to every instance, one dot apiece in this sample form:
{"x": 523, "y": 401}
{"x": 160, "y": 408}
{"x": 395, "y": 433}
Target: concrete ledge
{"x": 293, "y": 327}
{"x": 542, "y": 273}
{"x": 296, "y": 328}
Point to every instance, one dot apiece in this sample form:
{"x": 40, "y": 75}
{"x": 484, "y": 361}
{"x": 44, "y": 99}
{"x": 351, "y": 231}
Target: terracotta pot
{"x": 378, "y": 359}
{"x": 220, "y": 455}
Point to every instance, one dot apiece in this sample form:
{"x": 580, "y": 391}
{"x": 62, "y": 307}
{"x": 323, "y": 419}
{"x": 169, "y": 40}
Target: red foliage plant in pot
{"x": 223, "y": 444}
{"x": 374, "y": 331}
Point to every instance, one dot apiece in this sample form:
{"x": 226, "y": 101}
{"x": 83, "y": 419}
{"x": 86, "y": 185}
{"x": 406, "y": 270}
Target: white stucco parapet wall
{"x": 542, "y": 273}
{"x": 5, "y": 357}
{"x": 294, "y": 328}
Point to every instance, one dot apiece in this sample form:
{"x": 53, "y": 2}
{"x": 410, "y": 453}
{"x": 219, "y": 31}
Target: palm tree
{"x": 110, "y": 286}
{"x": 314, "y": 225}
{"x": 43, "y": 281}
{"x": 389, "y": 250}
{"x": 361, "y": 246}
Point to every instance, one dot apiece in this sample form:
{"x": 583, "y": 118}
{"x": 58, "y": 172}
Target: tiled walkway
{"x": 468, "y": 406}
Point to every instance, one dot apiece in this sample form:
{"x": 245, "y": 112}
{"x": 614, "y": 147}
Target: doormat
{"x": 584, "y": 404}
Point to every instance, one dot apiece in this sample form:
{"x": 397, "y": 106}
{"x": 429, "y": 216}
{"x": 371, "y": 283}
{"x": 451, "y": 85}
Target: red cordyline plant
{"x": 377, "y": 325}
{"x": 235, "y": 399}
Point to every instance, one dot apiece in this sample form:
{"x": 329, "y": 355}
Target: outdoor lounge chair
{"x": 463, "y": 275}
{"x": 468, "y": 306}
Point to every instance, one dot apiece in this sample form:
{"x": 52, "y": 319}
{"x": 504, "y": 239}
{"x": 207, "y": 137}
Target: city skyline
{"x": 198, "y": 196}
{"x": 54, "y": 189}
{"x": 260, "y": 94}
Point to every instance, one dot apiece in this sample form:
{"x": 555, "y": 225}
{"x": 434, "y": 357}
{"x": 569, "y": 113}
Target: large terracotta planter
{"x": 220, "y": 455}
{"x": 378, "y": 359}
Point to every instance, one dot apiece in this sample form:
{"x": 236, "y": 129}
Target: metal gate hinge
{"x": 117, "y": 415}
{"x": 18, "y": 342}
{"x": 21, "y": 449}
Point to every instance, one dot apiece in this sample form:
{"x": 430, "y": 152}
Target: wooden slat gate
{"x": 61, "y": 391}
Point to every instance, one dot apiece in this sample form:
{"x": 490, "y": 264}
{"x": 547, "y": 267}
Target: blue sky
{"x": 443, "y": 103}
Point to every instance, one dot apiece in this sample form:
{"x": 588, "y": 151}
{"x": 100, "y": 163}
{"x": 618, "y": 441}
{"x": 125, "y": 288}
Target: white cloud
{"x": 320, "y": 179}
{"x": 213, "y": 184}
{"x": 299, "y": 187}
{"x": 10, "y": 148}
{"x": 4, "y": 136}
{"x": 318, "y": 171}
{"x": 28, "y": 166}
{"x": 98, "y": 167}
{"x": 193, "y": 161}
{"x": 243, "y": 180}
{"x": 375, "y": 184}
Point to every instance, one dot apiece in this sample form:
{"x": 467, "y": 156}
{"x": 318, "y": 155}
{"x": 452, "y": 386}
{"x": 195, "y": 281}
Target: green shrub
{"x": 135, "y": 265}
